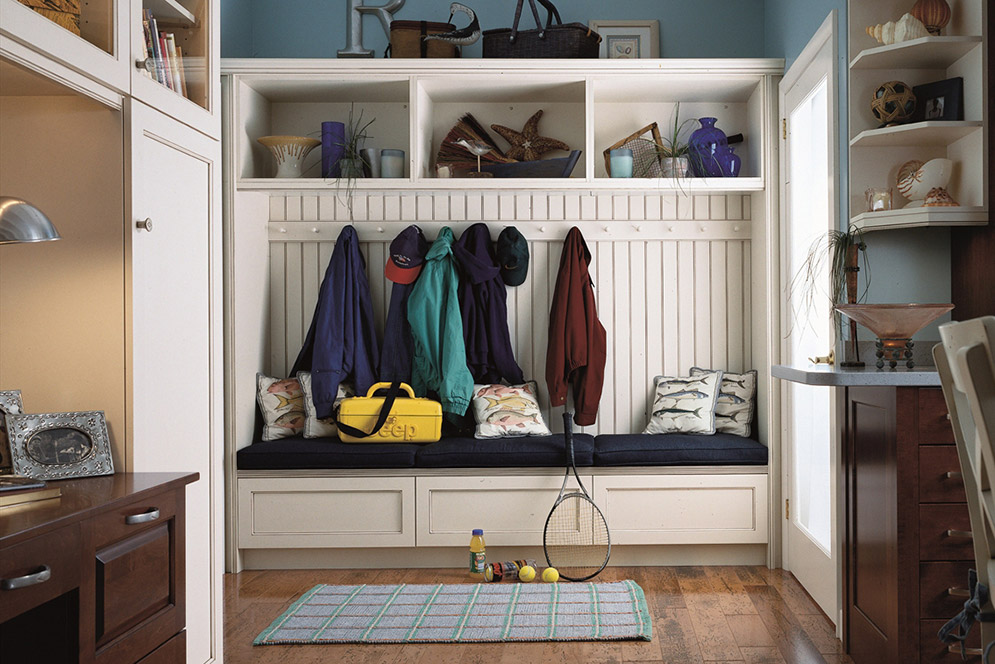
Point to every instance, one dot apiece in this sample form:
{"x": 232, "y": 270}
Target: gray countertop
{"x": 834, "y": 376}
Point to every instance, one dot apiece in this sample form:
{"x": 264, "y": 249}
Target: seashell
{"x": 934, "y": 14}
{"x": 909, "y": 27}
{"x": 939, "y": 197}
{"x": 883, "y": 32}
{"x": 917, "y": 180}
{"x": 906, "y": 178}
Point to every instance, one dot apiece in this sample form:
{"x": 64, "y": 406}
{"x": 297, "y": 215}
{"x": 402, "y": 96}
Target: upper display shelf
{"x": 923, "y": 53}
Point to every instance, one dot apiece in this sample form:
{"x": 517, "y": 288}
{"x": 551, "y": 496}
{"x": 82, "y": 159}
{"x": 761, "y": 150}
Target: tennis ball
{"x": 527, "y": 574}
{"x": 550, "y": 575}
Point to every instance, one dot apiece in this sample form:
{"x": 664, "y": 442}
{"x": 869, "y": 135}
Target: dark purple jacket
{"x": 342, "y": 342}
{"x": 483, "y": 302}
{"x": 398, "y": 346}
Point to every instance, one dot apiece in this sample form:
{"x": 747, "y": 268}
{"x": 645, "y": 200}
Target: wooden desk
{"x": 98, "y": 574}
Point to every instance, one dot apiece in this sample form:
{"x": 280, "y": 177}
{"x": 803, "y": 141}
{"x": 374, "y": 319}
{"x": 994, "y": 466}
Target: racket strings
{"x": 576, "y": 538}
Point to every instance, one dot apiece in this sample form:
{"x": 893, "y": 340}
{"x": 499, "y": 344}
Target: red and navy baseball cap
{"x": 407, "y": 253}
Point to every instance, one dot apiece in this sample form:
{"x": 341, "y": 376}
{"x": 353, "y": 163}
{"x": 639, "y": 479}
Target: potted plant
{"x": 351, "y": 162}
{"x": 672, "y": 153}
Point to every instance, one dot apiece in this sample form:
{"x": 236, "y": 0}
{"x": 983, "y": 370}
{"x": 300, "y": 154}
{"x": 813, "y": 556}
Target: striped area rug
{"x": 464, "y": 613}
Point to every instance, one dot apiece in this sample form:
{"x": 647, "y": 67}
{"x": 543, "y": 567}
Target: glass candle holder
{"x": 391, "y": 163}
{"x": 878, "y": 199}
{"x": 621, "y": 162}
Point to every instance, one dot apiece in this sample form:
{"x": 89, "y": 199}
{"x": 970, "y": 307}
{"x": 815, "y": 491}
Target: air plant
{"x": 352, "y": 159}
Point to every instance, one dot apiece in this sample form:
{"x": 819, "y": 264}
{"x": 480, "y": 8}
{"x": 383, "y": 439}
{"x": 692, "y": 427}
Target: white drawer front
{"x": 511, "y": 510}
{"x": 684, "y": 509}
{"x": 326, "y": 512}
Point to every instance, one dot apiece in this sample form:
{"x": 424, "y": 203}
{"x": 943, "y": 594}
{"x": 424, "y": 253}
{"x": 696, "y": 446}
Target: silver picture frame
{"x": 55, "y": 446}
{"x": 10, "y": 403}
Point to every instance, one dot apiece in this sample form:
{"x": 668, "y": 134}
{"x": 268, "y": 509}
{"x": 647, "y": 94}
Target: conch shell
{"x": 906, "y": 28}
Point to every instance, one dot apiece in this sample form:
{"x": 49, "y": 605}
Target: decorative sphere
{"x": 893, "y": 103}
{"x": 527, "y": 574}
{"x": 550, "y": 575}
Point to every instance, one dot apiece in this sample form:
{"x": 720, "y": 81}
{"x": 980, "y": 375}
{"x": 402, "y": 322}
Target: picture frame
{"x": 10, "y": 403}
{"x": 940, "y": 100}
{"x": 627, "y": 39}
{"x": 53, "y": 446}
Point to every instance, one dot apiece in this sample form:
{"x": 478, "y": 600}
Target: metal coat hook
{"x": 283, "y": 230}
{"x": 379, "y": 229}
{"x": 315, "y": 230}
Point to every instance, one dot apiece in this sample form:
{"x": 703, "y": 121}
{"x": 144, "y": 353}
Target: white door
{"x": 809, "y": 203}
{"x": 175, "y": 350}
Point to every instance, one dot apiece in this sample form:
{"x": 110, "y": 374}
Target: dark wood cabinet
{"x": 107, "y": 564}
{"x": 908, "y": 543}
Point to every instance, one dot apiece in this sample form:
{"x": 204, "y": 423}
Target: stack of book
{"x": 18, "y": 490}
{"x": 168, "y": 57}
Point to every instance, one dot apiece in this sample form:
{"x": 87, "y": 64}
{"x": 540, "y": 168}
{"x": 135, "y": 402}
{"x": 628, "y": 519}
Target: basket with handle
{"x": 554, "y": 40}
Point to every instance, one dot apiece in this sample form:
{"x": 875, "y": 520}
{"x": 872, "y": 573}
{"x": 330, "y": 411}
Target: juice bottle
{"x": 477, "y": 557}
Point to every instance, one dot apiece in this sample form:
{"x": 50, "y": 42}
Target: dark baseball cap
{"x": 407, "y": 253}
{"x": 513, "y": 256}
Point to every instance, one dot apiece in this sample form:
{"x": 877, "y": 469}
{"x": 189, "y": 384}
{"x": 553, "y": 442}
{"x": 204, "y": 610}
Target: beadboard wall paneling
{"x": 672, "y": 276}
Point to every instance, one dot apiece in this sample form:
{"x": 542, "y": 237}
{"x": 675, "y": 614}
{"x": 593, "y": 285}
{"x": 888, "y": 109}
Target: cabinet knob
{"x": 148, "y": 64}
{"x": 958, "y": 592}
{"x": 144, "y": 517}
{"x": 144, "y": 225}
{"x": 954, "y": 475}
{"x": 960, "y": 534}
{"x": 33, "y": 579}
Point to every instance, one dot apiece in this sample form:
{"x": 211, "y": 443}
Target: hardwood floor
{"x": 700, "y": 614}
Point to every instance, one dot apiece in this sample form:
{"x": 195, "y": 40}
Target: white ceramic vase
{"x": 290, "y": 153}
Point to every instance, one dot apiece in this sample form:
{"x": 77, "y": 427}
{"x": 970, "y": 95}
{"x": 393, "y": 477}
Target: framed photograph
{"x": 942, "y": 100}
{"x": 10, "y": 402}
{"x": 626, "y": 40}
{"x": 53, "y": 446}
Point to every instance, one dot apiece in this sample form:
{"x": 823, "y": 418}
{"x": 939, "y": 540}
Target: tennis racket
{"x": 575, "y": 540}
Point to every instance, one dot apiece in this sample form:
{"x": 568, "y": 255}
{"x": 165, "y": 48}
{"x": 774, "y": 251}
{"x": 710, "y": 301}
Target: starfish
{"x": 528, "y": 145}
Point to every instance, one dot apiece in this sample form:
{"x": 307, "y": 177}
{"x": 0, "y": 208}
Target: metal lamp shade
{"x": 22, "y": 222}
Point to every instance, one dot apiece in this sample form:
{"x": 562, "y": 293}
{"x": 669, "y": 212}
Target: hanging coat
{"x": 341, "y": 342}
{"x": 577, "y": 341}
{"x": 439, "y": 363}
{"x": 483, "y": 301}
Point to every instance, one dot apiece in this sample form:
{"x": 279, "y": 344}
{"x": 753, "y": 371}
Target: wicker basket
{"x": 555, "y": 40}
{"x": 63, "y": 12}
{"x": 645, "y": 158}
{"x": 406, "y": 40}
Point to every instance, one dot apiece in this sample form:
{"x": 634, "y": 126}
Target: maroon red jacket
{"x": 577, "y": 341}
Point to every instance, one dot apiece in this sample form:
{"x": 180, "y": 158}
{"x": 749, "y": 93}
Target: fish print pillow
{"x": 685, "y": 404}
{"x": 734, "y": 408}
{"x": 508, "y": 411}
{"x": 313, "y": 426}
{"x": 281, "y": 401}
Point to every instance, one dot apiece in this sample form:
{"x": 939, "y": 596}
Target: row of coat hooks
{"x": 607, "y": 228}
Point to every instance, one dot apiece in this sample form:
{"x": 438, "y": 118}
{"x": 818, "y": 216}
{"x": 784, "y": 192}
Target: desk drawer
{"x": 939, "y": 475}
{"x": 58, "y": 551}
{"x": 133, "y": 517}
{"x": 941, "y": 529}
{"x": 934, "y": 427}
{"x": 936, "y": 583}
{"x": 932, "y": 651}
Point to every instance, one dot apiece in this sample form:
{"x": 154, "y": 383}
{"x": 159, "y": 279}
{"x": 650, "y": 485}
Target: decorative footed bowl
{"x": 894, "y": 325}
{"x": 290, "y": 153}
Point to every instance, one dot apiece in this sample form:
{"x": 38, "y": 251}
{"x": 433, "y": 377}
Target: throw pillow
{"x": 734, "y": 409}
{"x": 314, "y": 427}
{"x": 281, "y": 402}
{"x": 685, "y": 404}
{"x": 508, "y": 411}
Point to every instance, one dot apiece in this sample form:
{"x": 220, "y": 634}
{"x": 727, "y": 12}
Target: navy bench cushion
{"x": 299, "y": 452}
{"x": 678, "y": 449}
{"x": 524, "y": 452}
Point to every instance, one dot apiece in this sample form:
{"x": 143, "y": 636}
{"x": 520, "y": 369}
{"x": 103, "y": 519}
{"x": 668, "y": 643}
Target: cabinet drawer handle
{"x": 955, "y": 649}
{"x": 955, "y": 475}
{"x": 144, "y": 517}
{"x": 144, "y": 224}
{"x": 958, "y": 592}
{"x": 962, "y": 534}
{"x": 148, "y": 64}
{"x": 33, "y": 579}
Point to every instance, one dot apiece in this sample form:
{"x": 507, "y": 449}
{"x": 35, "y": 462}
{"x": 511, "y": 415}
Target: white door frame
{"x": 825, "y": 35}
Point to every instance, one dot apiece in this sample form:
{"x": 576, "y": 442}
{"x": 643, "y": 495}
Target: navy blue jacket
{"x": 398, "y": 346}
{"x": 483, "y": 302}
{"x": 342, "y": 342}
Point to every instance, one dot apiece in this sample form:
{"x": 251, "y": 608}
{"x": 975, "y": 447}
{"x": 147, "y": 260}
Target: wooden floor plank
{"x": 678, "y": 641}
{"x": 788, "y": 634}
{"x": 767, "y": 655}
{"x": 729, "y": 590}
{"x": 750, "y": 631}
{"x": 715, "y": 639}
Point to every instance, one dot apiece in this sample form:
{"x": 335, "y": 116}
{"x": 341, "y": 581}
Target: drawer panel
{"x": 170, "y": 652}
{"x": 684, "y": 509}
{"x": 935, "y": 543}
{"x": 936, "y": 582}
{"x": 934, "y": 427}
{"x": 932, "y": 651}
{"x": 324, "y": 512}
{"x": 512, "y": 510}
{"x": 133, "y": 517}
{"x": 939, "y": 475}
{"x": 57, "y": 550}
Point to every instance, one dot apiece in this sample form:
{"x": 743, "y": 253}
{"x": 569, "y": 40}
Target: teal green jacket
{"x": 439, "y": 363}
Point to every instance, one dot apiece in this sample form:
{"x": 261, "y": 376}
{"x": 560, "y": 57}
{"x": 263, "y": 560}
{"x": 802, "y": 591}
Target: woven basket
{"x": 555, "y": 40}
{"x": 406, "y": 40}
{"x": 63, "y": 12}
{"x": 645, "y": 158}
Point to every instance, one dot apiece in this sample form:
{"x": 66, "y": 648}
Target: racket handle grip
{"x": 567, "y": 424}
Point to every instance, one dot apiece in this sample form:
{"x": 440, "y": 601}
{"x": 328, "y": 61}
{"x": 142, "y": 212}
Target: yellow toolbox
{"x": 409, "y": 420}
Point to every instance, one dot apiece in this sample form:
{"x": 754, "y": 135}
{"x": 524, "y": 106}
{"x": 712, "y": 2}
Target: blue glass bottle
{"x": 707, "y": 144}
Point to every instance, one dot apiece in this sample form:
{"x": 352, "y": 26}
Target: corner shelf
{"x": 170, "y": 12}
{"x": 922, "y": 53}
{"x": 933, "y": 132}
{"x": 920, "y": 217}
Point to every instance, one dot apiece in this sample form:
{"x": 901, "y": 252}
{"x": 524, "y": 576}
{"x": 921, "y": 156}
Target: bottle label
{"x": 477, "y": 562}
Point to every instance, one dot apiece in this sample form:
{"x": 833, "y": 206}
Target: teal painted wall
{"x": 317, "y": 28}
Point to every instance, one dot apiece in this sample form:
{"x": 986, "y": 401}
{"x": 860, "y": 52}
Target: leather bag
{"x": 555, "y": 40}
{"x": 387, "y": 419}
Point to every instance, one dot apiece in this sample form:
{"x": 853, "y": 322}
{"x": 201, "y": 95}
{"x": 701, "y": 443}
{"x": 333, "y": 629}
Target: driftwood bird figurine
{"x": 463, "y": 36}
